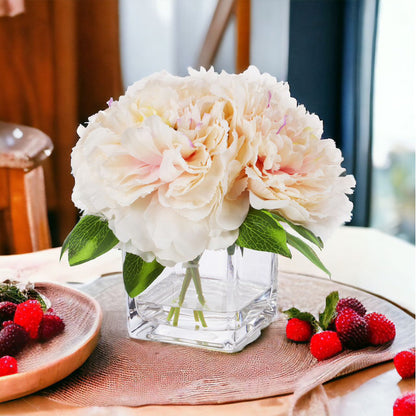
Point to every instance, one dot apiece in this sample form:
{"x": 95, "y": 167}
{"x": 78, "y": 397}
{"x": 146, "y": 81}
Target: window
{"x": 394, "y": 120}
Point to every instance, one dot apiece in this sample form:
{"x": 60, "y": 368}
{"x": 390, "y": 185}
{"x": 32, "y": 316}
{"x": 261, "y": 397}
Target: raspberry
{"x": 380, "y": 329}
{"x": 404, "y": 362}
{"x": 5, "y": 323}
{"x": 50, "y": 326}
{"x": 298, "y": 330}
{"x": 405, "y": 405}
{"x": 7, "y": 310}
{"x": 28, "y": 315}
{"x": 325, "y": 345}
{"x": 352, "y": 329}
{"x": 13, "y": 339}
{"x": 351, "y": 303}
{"x": 8, "y": 365}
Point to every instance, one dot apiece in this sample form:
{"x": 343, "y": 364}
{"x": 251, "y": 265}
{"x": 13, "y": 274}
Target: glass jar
{"x": 220, "y": 301}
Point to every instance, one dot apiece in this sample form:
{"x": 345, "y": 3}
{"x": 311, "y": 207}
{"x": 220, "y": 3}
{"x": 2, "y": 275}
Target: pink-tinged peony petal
{"x": 269, "y": 97}
{"x": 284, "y": 124}
{"x": 110, "y": 102}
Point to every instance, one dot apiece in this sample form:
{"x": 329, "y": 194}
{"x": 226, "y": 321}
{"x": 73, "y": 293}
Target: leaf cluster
{"x": 262, "y": 230}
{"x": 325, "y": 317}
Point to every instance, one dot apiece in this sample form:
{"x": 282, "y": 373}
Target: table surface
{"x": 361, "y": 257}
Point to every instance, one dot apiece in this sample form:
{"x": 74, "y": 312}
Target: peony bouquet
{"x": 180, "y": 165}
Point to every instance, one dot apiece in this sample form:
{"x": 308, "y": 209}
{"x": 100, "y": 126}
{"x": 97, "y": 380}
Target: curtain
{"x": 331, "y": 67}
{"x": 59, "y": 63}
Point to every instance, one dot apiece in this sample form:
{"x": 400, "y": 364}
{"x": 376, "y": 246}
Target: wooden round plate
{"x": 43, "y": 364}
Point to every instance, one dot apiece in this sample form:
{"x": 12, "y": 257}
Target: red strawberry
{"x": 405, "y": 405}
{"x": 298, "y": 330}
{"x": 13, "y": 339}
{"x": 8, "y": 365}
{"x": 325, "y": 345}
{"x": 351, "y": 303}
{"x": 380, "y": 329}
{"x": 352, "y": 329}
{"x": 50, "y": 326}
{"x": 404, "y": 362}
{"x": 28, "y": 315}
{"x": 7, "y": 310}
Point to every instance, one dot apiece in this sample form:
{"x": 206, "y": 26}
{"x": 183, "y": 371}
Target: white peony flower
{"x": 175, "y": 163}
{"x": 162, "y": 166}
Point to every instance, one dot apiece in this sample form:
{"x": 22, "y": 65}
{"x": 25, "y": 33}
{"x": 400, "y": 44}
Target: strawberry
{"x": 7, "y": 310}
{"x": 351, "y": 303}
{"x": 380, "y": 329}
{"x": 405, "y": 405}
{"x": 50, "y": 326}
{"x": 8, "y": 365}
{"x": 352, "y": 329}
{"x": 325, "y": 345}
{"x": 298, "y": 330}
{"x": 29, "y": 315}
{"x": 13, "y": 339}
{"x": 404, "y": 362}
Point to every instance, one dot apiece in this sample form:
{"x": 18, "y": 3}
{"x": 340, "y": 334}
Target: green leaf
{"x": 261, "y": 232}
{"x": 307, "y": 251}
{"x": 304, "y": 232}
{"x": 303, "y": 316}
{"x": 138, "y": 274}
{"x": 90, "y": 238}
{"x": 326, "y": 317}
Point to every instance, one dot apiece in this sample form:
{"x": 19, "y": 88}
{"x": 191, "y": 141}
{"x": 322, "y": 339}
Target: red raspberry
{"x": 380, "y": 329}
{"x": 298, "y": 330}
{"x": 6, "y": 323}
{"x": 50, "y": 326}
{"x": 405, "y": 405}
{"x": 404, "y": 362}
{"x": 28, "y": 315}
{"x": 351, "y": 303}
{"x": 8, "y": 365}
{"x": 13, "y": 339}
{"x": 7, "y": 310}
{"x": 325, "y": 345}
{"x": 352, "y": 329}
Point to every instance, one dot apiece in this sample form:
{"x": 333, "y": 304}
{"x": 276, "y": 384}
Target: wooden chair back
{"x": 24, "y": 223}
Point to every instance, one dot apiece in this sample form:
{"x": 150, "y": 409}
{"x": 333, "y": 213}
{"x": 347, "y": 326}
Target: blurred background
{"x": 352, "y": 62}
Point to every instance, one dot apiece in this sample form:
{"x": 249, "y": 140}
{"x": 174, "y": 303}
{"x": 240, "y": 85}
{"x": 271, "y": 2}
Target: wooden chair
{"x": 223, "y": 13}
{"x": 24, "y": 223}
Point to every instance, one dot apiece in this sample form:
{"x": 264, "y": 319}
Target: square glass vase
{"x": 220, "y": 301}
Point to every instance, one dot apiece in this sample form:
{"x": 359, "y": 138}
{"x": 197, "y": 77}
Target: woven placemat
{"x": 122, "y": 371}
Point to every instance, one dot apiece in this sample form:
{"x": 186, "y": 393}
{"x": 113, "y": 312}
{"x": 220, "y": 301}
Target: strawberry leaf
{"x": 303, "y": 316}
{"x": 329, "y": 313}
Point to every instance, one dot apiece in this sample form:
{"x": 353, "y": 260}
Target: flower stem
{"x": 202, "y": 318}
{"x": 192, "y": 273}
{"x": 176, "y": 316}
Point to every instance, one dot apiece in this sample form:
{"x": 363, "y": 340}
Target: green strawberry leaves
{"x": 325, "y": 318}
{"x": 90, "y": 238}
{"x": 303, "y": 316}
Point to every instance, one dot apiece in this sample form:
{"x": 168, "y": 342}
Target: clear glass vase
{"x": 220, "y": 301}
